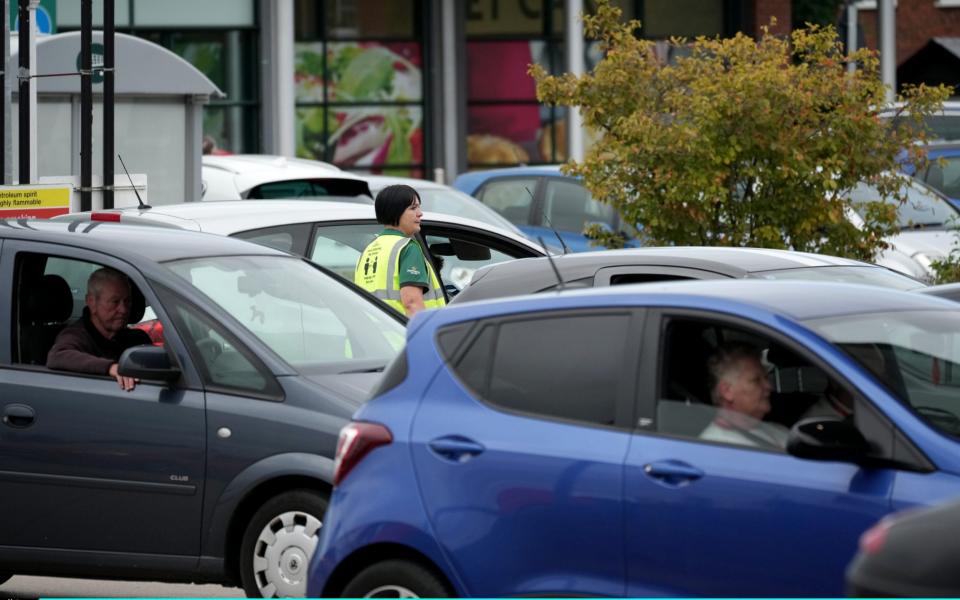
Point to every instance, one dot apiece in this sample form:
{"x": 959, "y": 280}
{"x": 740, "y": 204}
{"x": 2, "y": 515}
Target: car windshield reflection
{"x": 312, "y": 320}
{"x": 915, "y": 354}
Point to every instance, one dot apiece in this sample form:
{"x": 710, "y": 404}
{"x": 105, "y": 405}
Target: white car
{"x": 926, "y": 222}
{"x": 333, "y": 234}
{"x": 268, "y": 177}
{"x": 436, "y": 197}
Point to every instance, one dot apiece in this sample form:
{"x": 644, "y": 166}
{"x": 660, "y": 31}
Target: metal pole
{"x": 5, "y": 111}
{"x": 23, "y": 93}
{"x": 86, "y": 104}
{"x": 575, "y": 65}
{"x": 448, "y": 57}
{"x": 283, "y": 63}
{"x": 32, "y": 94}
{"x": 108, "y": 64}
{"x": 887, "y": 27}
{"x": 852, "y": 24}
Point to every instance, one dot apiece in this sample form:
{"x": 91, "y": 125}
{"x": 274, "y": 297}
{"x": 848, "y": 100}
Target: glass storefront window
{"x": 360, "y": 100}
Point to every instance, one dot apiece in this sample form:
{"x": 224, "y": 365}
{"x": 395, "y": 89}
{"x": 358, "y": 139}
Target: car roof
{"x": 232, "y": 216}
{"x": 127, "y": 242}
{"x": 798, "y": 300}
{"x": 469, "y": 182}
{"x": 730, "y": 262}
{"x": 532, "y": 275}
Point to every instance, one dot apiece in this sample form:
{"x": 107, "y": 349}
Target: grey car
{"x": 642, "y": 265}
{"x": 217, "y": 467}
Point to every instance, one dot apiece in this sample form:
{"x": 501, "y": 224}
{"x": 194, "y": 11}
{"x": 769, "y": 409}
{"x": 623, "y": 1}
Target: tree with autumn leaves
{"x": 739, "y": 142}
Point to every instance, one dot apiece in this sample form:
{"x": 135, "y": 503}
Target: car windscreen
{"x": 311, "y": 319}
{"x": 454, "y": 202}
{"x": 922, "y": 208}
{"x": 914, "y": 353}
{"x": 867, "y": 275}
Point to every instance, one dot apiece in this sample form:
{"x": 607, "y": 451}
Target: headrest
{"x": 50, "y": 301}
{"x": 138, "y": 304}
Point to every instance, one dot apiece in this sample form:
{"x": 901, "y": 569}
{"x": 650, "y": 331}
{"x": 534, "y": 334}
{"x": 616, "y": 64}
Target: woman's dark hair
{"x": 392, "y": 201}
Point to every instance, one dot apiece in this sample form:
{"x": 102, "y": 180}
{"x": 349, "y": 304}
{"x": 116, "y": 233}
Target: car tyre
{"x": 278, "y": 543}
{"x": 396, "y": 579}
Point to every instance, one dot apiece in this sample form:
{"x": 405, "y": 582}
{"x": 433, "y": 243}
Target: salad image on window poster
{"x": 352, "y": 133}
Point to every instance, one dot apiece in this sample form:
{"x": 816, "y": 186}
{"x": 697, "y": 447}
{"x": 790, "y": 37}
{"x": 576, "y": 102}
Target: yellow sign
{"x": 34, "y": 201}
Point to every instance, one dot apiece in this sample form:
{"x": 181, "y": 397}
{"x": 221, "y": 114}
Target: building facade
{"x": 401, "y": 86}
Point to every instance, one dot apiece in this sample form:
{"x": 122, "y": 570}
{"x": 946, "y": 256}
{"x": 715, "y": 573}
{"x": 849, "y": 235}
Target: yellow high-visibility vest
{"x": 378, "y": 272}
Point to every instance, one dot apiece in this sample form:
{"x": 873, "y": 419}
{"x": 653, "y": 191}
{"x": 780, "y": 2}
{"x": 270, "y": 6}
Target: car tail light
{"x": 357, "y": 439}
{"x": 873, "y": 539}
{"x": 153, "y": 328}
{"x": 105, "y": 216}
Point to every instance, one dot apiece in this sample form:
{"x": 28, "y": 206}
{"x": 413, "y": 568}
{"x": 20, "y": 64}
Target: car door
{"x": 519, "y": 453}
{"x": 85, "y": 465}
{"x": 461, "y": 250}
{"x": 733, "y": 520}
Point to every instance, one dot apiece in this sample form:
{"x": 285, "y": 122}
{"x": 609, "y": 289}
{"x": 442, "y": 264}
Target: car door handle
{"x": 455, "y": 448}
{"x": 18, "y": 415}
{"x": 672, "y": 472}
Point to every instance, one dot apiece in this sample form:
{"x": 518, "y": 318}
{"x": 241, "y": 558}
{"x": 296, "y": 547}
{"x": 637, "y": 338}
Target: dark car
{"x": 913, "y": 553}
{"x": 217, "y": 466}
{"x": 643, "y": 265}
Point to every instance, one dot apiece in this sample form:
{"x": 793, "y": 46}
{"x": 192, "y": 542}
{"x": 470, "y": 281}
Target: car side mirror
{"x": 150, "y": 363}
{"x": 827, "y": 439}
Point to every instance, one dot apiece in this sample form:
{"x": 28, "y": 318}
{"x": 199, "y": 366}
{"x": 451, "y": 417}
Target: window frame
{"x": 275, "y": 393}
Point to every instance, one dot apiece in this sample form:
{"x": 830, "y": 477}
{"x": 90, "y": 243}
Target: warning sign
{"x": 34, "y": 201}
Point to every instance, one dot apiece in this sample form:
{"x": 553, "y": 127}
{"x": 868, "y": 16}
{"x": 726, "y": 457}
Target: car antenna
{"x": 553, "y": 265}
{"x": 142, "y": 206}
{"x": 543, "y": 214}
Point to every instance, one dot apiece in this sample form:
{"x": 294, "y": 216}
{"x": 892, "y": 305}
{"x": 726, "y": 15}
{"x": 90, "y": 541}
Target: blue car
{"x": 550, "y": 445}
{"x": 543, "y": 202}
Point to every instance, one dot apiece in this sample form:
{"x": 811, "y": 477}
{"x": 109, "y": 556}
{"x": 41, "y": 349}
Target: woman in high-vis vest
{"x": 393, "y": 267}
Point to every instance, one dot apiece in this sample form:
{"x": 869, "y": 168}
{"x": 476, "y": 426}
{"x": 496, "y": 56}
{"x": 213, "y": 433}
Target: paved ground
{"x": 52, "y": 587}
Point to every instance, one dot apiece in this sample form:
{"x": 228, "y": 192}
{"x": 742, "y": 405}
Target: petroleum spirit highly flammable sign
{"x": 34, "y": 201}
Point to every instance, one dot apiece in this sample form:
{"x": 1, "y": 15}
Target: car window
{"x": 565, "y": 366}
{"x": 945, "y": 178}
{"x": 310, "y": 319}
{"x": 289, "y": 238}
{"x": 730, "y": 385}
{"x": 51, "y": 293}
{"x": 459, "y": 256}
{"x": 569, "y": 207}
{"x": 338, "y": 247}
{"x": 224, "y": 363}
{"x": 339, "y": 190}
{"x": 915, "y": 354}
{"x": 511, "y": 197}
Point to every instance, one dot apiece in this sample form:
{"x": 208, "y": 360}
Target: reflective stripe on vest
{"x": 374, "y": 280}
